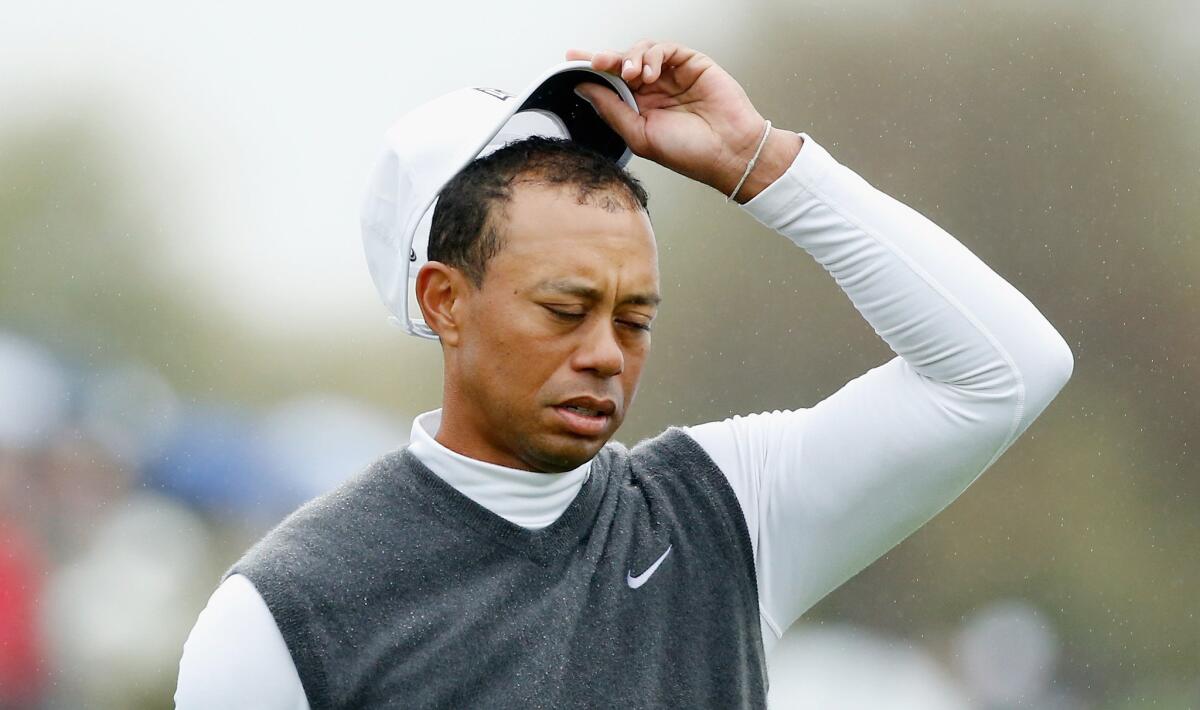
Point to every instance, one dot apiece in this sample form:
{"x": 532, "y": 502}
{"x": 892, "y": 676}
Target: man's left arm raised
{"x": 828, "y": 489}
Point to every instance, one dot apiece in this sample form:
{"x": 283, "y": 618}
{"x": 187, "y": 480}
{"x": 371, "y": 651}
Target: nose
{"x": 600, "y": 350}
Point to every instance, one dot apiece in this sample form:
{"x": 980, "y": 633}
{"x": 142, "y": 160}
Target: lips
{"x": 586, "y": 416}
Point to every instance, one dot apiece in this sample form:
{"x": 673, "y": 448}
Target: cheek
{"x": 517, "y": 361}
{"x": 635, "y": 361}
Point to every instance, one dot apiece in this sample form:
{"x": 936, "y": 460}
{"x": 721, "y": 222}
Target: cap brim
{"x": 555, "y": 92}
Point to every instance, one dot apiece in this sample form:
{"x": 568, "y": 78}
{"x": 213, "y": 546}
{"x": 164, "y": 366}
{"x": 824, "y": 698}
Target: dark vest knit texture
{"x": 396, "y": 591}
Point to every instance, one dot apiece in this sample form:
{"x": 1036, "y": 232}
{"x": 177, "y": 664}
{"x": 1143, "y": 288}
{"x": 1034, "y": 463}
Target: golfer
{"x": 512, "y": 555}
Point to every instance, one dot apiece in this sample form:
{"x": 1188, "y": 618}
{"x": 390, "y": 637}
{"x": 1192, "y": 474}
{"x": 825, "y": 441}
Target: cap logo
{"x": 412, "y": 254}
{"x": 502, "y": 95}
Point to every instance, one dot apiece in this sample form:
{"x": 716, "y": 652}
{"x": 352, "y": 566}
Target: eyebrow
{"x": 575, "y": 288}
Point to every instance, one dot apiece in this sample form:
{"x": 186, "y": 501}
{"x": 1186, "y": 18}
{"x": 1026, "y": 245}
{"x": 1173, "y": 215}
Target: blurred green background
{"x": 190, "y": 345}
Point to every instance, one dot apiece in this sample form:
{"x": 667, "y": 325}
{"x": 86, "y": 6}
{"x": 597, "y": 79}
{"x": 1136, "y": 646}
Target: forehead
{"x": 548, "y": 234}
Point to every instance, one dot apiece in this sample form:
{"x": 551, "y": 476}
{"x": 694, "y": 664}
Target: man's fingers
{"x": 686, "y": 63}
{"x": 616, "y": 63}
{"x": 652, "y": 62}
{"x": 607, "y": 60}
{"x": 616, "y": 113}
{"x": 631, "y": 67}
{"x": 646, "y": 62}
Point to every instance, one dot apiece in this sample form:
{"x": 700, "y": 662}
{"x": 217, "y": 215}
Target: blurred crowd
{"x": 121, "y": 503}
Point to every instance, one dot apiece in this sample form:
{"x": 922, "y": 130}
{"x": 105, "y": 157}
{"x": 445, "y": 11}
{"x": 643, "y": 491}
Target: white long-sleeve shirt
{"x": 825, "y": 490}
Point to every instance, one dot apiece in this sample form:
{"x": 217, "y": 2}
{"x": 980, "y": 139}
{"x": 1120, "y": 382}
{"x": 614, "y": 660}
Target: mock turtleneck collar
{"x": 527, "y": 498}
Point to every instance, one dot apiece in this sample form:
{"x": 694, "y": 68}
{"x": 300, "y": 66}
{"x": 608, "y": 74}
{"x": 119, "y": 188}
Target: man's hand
{"x": 695, "y": 118}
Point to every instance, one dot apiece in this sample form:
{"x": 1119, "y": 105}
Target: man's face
{"x": 552, "y": 344}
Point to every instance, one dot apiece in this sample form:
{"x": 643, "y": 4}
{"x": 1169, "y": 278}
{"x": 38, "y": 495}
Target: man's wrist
{"x": 778, "y": 154}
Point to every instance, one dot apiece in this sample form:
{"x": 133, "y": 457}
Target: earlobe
{"x": 439, "y": 288}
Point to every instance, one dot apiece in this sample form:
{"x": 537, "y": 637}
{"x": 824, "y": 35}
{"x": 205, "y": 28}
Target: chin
{"x": 559, "y": 455}
{"x": 551, "y": 448}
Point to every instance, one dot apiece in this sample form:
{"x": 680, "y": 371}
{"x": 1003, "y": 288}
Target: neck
{"x": 463, "y": 434}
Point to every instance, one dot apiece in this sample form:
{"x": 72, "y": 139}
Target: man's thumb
{"x": 615, "y": 112}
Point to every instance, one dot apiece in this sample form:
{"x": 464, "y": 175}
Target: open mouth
{"x": 583, "y": 410}
{"x": 586, "y": 418}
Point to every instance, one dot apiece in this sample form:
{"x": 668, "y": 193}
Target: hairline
{"x": 496, "y": 223}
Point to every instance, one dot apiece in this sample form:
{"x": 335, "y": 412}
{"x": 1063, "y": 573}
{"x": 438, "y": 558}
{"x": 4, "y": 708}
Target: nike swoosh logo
{"x": 635, "y": 582}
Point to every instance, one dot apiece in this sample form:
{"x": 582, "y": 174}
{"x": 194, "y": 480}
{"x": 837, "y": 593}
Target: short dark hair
{"x": 465, "y": 231}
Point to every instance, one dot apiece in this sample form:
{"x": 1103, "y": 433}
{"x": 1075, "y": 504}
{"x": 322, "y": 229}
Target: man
{"x": 512, "y": 555}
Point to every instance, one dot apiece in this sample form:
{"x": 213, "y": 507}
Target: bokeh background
{"x": 190, "y": 345}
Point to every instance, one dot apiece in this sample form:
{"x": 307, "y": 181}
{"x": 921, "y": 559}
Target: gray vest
{"x": 395, "y": 590}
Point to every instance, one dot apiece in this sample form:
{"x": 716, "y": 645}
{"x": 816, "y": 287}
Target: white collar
{"x": 526, "y": 498}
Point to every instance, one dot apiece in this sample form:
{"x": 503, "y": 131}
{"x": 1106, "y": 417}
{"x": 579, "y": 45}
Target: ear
{"x": 442, "y": 292}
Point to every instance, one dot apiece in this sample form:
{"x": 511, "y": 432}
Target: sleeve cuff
{"x": 807, "y": 171}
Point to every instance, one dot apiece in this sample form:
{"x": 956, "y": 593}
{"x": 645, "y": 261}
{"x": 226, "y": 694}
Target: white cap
{"x": 430, "y": 144}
